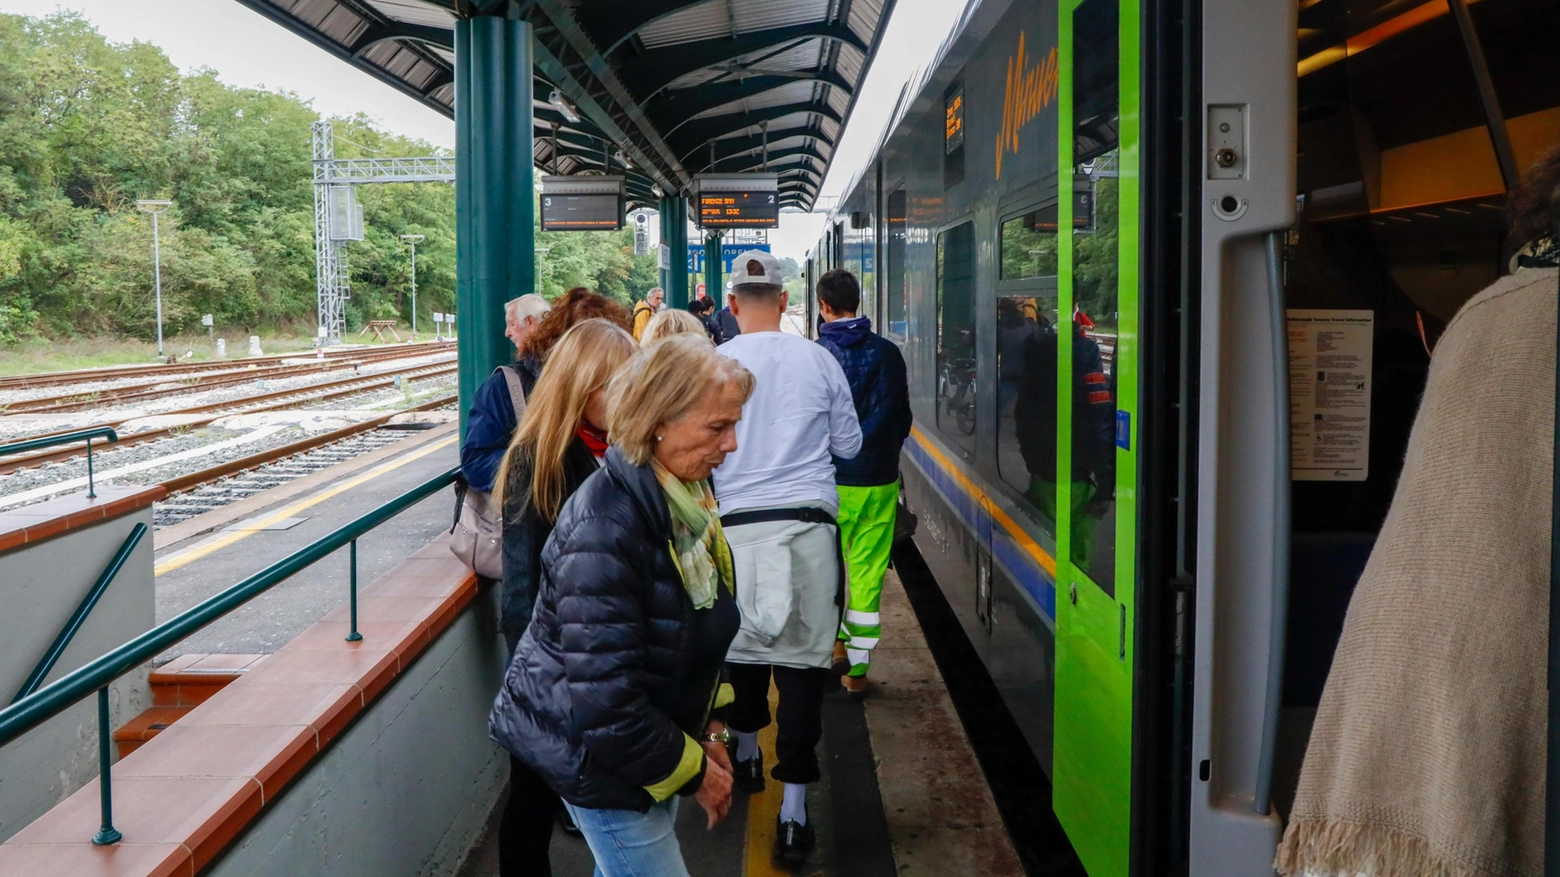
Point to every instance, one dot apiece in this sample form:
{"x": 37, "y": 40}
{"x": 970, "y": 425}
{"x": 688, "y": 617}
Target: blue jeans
{"x": 627, "y": 843}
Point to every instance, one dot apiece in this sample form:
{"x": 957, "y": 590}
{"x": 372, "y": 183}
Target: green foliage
{"x": 87, "y": 127}
{"x": 1095, "y": 259}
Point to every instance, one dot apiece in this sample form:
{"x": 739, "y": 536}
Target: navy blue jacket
{"x": 490, "y": 424}
{"x": 875, "y": 370}
{"x": 616, "y": 665}
{"x": 728, "y": 325}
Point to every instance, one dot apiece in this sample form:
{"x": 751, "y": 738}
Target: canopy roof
{"x": 653, "y": 82}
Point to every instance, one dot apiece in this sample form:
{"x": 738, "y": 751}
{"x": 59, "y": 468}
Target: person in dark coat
{"x": 727, "y": 321}
{"x": 614, "y": 690}
{"x": 490, "y": 423}
{"x": 560, "y": 443}
{"x": 868, "y": 483}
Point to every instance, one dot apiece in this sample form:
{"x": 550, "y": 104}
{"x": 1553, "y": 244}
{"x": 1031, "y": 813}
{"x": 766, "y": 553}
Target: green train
{"x": 1103, "y": 233}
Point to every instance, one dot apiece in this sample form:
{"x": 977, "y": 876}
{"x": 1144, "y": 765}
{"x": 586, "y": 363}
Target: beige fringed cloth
{"x": 1427, "y": 756}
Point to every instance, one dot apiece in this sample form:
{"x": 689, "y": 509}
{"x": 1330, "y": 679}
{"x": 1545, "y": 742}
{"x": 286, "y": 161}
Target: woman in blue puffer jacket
{"x": 613, "y": 690}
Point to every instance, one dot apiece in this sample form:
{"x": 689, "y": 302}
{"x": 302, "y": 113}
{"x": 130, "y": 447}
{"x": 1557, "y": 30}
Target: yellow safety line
{"x": 235, "y": 536}
{"x": 764, "y": 807}
{"x": 1024, "y": 540}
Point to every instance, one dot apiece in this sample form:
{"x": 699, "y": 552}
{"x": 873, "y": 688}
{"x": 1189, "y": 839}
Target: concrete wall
{"x": 407, "y": 789}
{"x": 41, "y": 584}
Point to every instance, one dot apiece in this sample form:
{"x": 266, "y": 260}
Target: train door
{"x": 1096, "y": 473}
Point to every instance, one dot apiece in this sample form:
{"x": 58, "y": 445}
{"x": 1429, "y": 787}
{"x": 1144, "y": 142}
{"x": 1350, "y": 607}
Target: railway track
{"x": 78, "y": 401}
{"x": 267, "y": 402}
{"x": 112, "y": 373}
{"x": 233, "y": 480}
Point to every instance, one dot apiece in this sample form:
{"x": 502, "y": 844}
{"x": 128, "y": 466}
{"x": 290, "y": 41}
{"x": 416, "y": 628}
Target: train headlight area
{"x": 1168, "y": 279}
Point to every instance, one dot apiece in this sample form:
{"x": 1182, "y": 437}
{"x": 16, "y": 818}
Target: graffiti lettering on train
{"x": 1031, "y": 87}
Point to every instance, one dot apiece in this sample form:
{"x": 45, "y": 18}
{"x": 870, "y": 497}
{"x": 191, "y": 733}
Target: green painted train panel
{"x": 1092, "y": 793}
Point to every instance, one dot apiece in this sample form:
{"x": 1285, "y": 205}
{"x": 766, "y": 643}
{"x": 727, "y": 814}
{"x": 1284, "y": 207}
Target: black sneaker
{"x": 793, "y": 841}
{"x": 566, "y": 822}
{"x": 747, "y": 775}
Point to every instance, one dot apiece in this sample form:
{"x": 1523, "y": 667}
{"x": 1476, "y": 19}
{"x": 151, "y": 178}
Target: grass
{"x": 32, "y": 357}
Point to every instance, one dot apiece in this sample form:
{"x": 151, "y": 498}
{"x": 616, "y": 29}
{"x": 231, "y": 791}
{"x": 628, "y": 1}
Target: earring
{"x": 658, "y": 438}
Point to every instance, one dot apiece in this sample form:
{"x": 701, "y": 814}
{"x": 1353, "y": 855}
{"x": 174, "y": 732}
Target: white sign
{"x": 1329, "y": 394}
{"x": 324, "y": 332}
{"x": 663, "y": 257}
{"x": 205, "y": 320}
{"x": 438, "y": 317}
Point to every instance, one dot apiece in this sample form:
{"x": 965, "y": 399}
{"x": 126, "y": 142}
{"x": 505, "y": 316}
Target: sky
{"x": 248, "y": 50}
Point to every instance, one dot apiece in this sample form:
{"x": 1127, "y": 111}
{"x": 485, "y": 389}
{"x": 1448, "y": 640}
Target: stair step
{"x": 145, "y": 726}
{"x": 189, "y": 680}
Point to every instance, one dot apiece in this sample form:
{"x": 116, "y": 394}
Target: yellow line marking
{"x": 765, "y": 806}
{"x": 1024, "y": 540}
{"x": 232, "y": 537}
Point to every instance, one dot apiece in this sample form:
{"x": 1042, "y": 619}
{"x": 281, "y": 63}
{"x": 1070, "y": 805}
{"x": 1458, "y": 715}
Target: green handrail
{"x": 68, "y": 632}
{"x": 65, "y": 438}
{"x": 95, "y": 677}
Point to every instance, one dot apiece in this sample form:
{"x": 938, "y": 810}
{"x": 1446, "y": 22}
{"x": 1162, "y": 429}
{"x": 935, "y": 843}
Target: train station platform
{"x": 902, "y": 791}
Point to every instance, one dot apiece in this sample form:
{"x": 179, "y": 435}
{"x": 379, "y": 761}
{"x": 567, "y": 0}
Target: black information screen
{"x": 602, "y": 212}
{"x": 739, "y": 210}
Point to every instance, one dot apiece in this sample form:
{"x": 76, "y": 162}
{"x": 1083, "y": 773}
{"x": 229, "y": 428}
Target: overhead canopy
{"x": 653, "y": 82}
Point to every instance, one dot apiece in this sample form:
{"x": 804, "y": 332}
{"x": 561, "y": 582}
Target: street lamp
{"x": 154, "y": 208}
{"x": 414, "y": 240}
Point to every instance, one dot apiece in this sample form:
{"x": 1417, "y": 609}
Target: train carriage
{"x": 1097, "y": 228}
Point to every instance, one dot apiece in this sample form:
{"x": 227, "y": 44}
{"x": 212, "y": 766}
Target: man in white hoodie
{"x": 777, "y": 503}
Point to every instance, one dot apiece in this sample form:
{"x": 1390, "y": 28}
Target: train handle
{"x": 1261, "y": 801}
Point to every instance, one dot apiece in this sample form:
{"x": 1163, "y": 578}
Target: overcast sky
{"x": 248, "y": 50}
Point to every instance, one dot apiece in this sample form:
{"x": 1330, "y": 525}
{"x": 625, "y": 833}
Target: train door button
{"x": 1229, "y": 208}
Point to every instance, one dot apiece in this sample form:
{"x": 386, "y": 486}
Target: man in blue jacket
{"x": 868, "y": 484}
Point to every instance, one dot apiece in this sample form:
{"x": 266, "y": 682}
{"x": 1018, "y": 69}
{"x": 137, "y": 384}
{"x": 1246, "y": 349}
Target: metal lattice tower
{"x": 332, "y": 230}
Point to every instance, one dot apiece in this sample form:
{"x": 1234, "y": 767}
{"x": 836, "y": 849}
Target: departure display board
{"x": 583, "y": 203}
{"x": 582, "y": 213}
{"x": 734, "y": 209}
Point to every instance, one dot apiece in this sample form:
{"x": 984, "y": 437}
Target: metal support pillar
{"x": 712, "y": 269}
{"x": 495, "y": 198}
{"x": 674, "y": 233}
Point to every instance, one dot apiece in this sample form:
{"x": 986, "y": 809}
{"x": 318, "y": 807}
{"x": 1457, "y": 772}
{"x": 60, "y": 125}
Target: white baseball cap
{"x": 756, "y": 266}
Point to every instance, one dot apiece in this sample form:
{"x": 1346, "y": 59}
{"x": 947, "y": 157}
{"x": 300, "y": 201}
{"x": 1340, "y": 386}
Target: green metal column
{"x": 674, "y": 233}
{"x": 713, "y": 284}
{"x": 495, "y": 201}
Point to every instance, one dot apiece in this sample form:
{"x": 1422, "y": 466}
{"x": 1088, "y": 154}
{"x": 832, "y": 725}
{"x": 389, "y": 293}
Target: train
{"x": 1102, "y": 233}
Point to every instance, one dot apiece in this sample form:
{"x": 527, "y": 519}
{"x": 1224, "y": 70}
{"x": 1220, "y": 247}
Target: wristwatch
{"x": 723, "y": 738}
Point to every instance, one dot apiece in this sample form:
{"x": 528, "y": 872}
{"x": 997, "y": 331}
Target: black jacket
{"x": 616, "y": 665}
{"x": 728, "y": 325}
{"x": 875, "y": 370}
{"x": 526, "y": 531}
{"x": 491, "y": 424}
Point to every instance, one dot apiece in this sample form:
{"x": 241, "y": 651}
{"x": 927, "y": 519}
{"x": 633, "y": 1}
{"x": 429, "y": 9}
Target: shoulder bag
{"x": 477, "y": 536}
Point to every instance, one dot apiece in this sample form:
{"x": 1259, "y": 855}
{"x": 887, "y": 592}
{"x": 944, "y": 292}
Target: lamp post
{"x": 414, "y": 240}
{"x": 154, "y": 208}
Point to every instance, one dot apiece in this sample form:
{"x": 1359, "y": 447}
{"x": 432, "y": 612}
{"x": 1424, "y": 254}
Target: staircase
{"x": 178, "y": 687}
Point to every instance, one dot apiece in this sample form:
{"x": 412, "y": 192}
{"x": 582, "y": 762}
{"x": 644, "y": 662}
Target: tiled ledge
{"x": 50, "y": 518}
{"x": 183, "y": 796}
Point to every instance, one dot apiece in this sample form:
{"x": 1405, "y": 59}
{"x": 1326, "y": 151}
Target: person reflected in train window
{"x": 561, "y": 441}
{"x": 1427, "y": 754}
{"x": 778, "y": 503}
{"x": 1092, "y": 476}
{"x": 669, "y": 323}
{"x": 1017, "y": 323}
{"x": 646, "y": 309}
{"x": 615, "y": 693}
{"x": 868, "y": 484}
{"x": 496, "y": 407}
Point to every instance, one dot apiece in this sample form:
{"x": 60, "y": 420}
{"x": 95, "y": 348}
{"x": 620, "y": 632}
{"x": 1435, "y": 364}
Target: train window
{"x": 894, "y": 252}
{"x": 956, "y": 336}
{"x": 1096, "y": 99}
{"x": 1029, "y": 245}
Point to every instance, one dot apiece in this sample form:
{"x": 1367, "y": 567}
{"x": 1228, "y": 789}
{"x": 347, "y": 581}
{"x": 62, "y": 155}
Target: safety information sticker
{"x": 1329, "y": 394}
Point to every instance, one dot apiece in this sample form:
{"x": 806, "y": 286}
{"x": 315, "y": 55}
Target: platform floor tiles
{"x": 901, "y": 794}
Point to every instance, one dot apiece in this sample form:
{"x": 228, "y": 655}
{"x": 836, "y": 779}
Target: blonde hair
{"x": 583, "y": 362}
{"x": 662, "y": 382}
{"x": 668, "y": 323}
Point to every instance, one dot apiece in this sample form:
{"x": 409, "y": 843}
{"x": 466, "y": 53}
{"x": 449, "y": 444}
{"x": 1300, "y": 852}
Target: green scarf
{"x": 698, "y": 544}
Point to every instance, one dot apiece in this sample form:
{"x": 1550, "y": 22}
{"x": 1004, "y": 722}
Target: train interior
{"x": 1401, "y": 198}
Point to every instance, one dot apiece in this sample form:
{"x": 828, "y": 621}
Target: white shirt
{"x": 800, "y": 412}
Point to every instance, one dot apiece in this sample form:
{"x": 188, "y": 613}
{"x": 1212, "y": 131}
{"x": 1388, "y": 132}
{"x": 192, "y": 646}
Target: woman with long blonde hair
{"x": 669, "y": 323}
{"x": 559, "y": 443}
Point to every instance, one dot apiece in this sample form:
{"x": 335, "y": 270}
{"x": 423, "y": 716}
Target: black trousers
{"x": 525, "y": 833}
{"x": 800, "y": 714}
